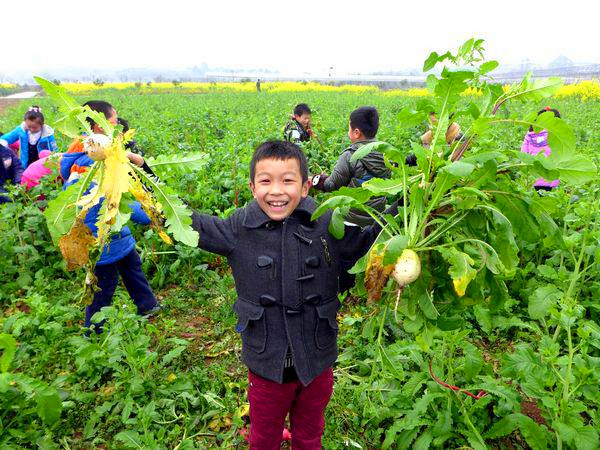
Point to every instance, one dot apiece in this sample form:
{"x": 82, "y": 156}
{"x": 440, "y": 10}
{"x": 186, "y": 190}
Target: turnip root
{"x": 408, "y": 268}
{"x": 95, "y": 144}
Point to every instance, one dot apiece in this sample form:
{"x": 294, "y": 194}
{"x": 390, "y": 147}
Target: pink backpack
{"x": 534, "y": 143}
{"x": 35, "y": 171}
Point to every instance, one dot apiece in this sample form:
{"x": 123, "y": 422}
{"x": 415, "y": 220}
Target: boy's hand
{"x": 311, "y": 133}
{"x": 318, "y": 181}
{"x": 411, "y": 160}
{"x": 135, "y": 159}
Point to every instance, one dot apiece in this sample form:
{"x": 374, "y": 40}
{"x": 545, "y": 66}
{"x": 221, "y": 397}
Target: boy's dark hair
{"x": 366, "y": 119}
{"x": 34, "y": 113}
{"x": 546, "y": 109}
{"x": 99, "y": 106}
{"x": 301, "y": 108}
{"x": 281, "y": 150}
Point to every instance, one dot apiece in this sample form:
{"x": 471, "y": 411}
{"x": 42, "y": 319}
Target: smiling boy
{"x": 286, "y": 269}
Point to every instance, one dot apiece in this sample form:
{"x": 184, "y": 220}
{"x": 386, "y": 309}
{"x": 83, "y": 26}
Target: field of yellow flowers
{"x": 584, "y": 90}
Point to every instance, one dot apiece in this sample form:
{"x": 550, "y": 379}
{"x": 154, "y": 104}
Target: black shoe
{"x": 152, "y": 311}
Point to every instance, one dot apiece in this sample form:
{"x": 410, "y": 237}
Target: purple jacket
{"x": 534, "y": 143}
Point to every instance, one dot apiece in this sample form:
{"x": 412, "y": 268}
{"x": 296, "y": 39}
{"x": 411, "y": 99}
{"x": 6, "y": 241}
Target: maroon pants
{"x": 270, "y": 402}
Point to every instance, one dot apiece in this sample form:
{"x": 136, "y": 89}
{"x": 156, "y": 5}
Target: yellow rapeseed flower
{"x": 584, "y": 90}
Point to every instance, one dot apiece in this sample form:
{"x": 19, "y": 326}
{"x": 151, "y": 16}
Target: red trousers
{"x": 270, "y": 403}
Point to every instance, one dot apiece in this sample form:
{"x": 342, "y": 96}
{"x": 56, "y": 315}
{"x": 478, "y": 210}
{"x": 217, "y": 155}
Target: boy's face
{"x": 278, "y": 186}
{"x": 304, "y": 120}
{"x": 113, "y": 120}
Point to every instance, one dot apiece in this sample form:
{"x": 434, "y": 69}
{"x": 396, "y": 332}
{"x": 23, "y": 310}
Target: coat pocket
{"x": 252, "y": 325}
{"x": 326, "y": 329}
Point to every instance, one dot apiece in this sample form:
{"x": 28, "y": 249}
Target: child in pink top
{"x": 534, "y": 143}
{"x": 36, "y": 170}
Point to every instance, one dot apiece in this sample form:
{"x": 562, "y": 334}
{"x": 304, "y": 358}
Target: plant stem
{"x": 569, "y": 368}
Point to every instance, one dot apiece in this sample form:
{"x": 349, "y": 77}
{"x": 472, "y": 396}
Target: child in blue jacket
{"x": 33, "y": 135}
{"x": 119, "y": 256}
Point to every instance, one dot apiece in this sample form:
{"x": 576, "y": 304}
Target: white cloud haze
{"x": 353, "y": 36}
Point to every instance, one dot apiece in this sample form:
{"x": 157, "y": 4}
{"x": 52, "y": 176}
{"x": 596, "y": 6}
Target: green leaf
{"x": 335, "y": 201}
{"x": 502, "y": 239}
{"x": 482, "y": 315}
{"x": 542, "y": 299}
{"x": 473, "y": 361}
{"x": 49, "y": 405}
{"x": 61, "y": 213}
{"x": 475, "y": 441}
{"x": 383, "y": 147}
{"x": 481, "y": 125}
{"x": 466, "y": 48}
{"x": 534, "y": 91}
{"x": 566, "y": 432}
{"x": 381, "y": 186}
{"x": 460, "y": 270}
{"x": 423, "y": 441}
{"x": 127, "y": 408}
{"x": 396, "y": 371}
{"x": 73, "y": 122}
{"x": 174, "y": 353}
{"x": 177, "y": 214}
{"x": 131, "y": 439}
{"x": 521, "y": 219}
{"x": 123, "y": 216}
{"x": 533, "y": 433}
{"x": 336, "y": 225}
{"x": 430, "y": 62}
{"x": 167, "y": 165}
{"x": 459, "y": 169}
{"x": 8, "y": 347}
{"x": 452, "y": 86}
{"x": 409, "y": 118}
{"x": 427, "y": 306}
{"x": 572, "y": 169}
{"x": 425, "y": 338}
{"x": 530, "y": 430}
{"x": 586, "y": 438}
{"x": 394, "y": 248}
{"x": 488, "y": 66}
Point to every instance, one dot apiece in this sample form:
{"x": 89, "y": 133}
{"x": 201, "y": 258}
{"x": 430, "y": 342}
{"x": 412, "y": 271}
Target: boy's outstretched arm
{"x": 340, "y": 176}
{"x": 216, "y": 235}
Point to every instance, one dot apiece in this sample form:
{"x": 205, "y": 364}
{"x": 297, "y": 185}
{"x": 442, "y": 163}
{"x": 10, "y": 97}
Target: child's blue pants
{"x": 130, "y": 269}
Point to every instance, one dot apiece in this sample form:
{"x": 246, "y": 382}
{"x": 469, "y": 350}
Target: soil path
{"x": 27, "y": 94}
{"x": 13, "y": 99}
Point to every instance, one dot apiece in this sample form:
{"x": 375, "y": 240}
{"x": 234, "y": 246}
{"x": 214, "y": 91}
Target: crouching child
{"x": 286, "y": 269}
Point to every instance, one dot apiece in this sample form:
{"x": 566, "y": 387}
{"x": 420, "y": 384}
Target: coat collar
{"x": 255, "y": 217}
{"x": 356, "y": 145}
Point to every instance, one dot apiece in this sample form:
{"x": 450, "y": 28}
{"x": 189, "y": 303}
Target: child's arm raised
{"x": 216, "y": 235}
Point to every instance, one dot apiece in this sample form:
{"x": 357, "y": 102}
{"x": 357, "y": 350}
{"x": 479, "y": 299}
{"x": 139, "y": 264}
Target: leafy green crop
{"x": 525, "y": 331}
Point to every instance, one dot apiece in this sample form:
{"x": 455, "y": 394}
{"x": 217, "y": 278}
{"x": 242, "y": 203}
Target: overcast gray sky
{"x": 291, "y": 36}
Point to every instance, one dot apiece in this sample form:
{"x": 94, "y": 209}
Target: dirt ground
{"x": 7, "y": 103}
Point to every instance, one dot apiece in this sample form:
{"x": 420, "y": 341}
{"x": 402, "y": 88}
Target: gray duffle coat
{"x": 286, "y": 277}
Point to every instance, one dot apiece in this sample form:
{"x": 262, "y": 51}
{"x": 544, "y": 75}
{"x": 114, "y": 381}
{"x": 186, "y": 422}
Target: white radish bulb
{"x": 408, "y": 268}
{"x": 95, "y": 144}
